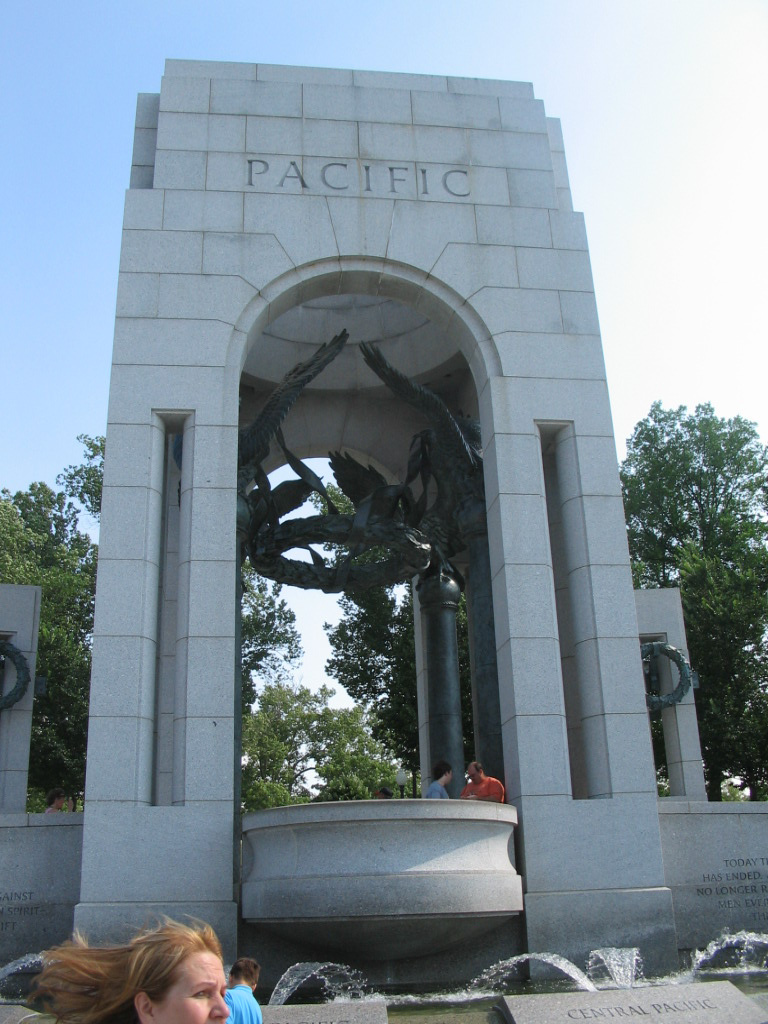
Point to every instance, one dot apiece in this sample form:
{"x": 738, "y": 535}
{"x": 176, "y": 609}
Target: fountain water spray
{"x": 339, "y": 981}
{"x": 743, "y": 952}
{"x": 494, "y": 977}
{"x": 623, "y": 965}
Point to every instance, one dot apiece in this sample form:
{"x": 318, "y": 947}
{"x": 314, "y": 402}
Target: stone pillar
{"x": 19, "y": 623}
{"x": 617, "y": 756}
{"x": 660, "y": 617}
{"x": 439, "y": 601}
{"x": 578, "y": 578}
{"x": 123, "y": 696}
{"x": 122, "y": 819}
{"x": 528, "y": 651}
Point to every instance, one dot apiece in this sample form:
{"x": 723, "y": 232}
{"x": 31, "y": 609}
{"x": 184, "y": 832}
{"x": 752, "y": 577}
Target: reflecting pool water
{"x": 741, "y": 958}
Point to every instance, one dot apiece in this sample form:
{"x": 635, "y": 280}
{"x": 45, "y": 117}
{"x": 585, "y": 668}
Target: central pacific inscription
{"x": 717, "y": 1002}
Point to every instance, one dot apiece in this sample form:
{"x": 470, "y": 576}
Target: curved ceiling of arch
{"x": 421, "y": 349}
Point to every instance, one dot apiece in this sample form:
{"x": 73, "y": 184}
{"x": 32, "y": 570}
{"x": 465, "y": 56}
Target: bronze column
{"x": 439, "y": 600}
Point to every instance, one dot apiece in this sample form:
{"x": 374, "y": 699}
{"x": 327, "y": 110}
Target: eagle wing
{"x": 448, "y": 431}
{"x": 355, "y": 480}
{"x": 254, "y": 440}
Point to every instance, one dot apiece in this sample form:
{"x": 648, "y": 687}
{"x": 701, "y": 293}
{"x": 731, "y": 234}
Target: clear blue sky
{"x": 662, "y": 104}
{"x": 663, "y": 110}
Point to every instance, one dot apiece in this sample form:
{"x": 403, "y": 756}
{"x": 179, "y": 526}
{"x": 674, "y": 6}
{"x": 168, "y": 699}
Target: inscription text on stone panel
{"x": 358, "y": 178}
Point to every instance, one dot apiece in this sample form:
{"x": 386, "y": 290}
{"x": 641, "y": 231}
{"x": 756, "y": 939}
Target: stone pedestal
{"x": 385, "y": 880}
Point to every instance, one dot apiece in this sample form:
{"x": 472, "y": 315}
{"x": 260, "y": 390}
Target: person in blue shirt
{"x": 239, "y": 997}
{"x": 442, "y": 773}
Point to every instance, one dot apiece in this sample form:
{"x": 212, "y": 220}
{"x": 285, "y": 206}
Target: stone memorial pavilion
{"x": 269, "y": 209}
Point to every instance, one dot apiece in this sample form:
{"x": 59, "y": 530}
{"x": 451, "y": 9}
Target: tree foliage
{"x": 374, "y": 660}
{"x": 692, "y": 478}
{"x": 276, "y": 761}
{"x": 297, "y": 748}
{"x": 726, "y": 606}
{"x": 350, "y": 763}
{"x": 696, "y": 494}
{"x": 41, "y": 543}
{"x": 271, "y": 645}
{"x": 84, "y": 481}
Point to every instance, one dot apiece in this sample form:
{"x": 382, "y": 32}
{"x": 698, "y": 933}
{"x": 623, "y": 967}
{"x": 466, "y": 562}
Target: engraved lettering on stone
{"x": 639, "y": 1010}
{"x": 324, "y": 177}
{"x": 449, "y": 174}
{"x": 293, "y": 177}
{"x": 393, "y": 181}
{"x": 15, "y": 906}
{"x": 261, "y": 168}
{"x": 384, "y": 179}
{"x": 740, "y": 885}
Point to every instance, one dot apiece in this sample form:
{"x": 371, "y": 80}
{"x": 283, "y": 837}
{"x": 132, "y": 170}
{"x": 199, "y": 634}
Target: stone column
{"x": 19, "y": 624}
{"x": 482, "y": 632}
{"x": 660, "y": 617}
{"x": 439, "y": 600}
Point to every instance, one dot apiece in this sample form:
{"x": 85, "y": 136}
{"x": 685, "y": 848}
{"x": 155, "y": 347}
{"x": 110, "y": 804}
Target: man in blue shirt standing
{"x": 442, "y": 773}
{"x": 239, "y": 997}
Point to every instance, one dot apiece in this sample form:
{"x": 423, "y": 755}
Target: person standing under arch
{"x": 442, "y": 773}
{"x": 482, "y": 786}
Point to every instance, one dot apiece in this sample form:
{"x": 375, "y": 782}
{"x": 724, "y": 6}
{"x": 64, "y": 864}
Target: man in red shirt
{"x": 482, "y": 786}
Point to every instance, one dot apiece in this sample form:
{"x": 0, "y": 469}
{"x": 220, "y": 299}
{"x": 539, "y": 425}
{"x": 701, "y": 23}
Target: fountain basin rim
{"x": 378, "y": 810}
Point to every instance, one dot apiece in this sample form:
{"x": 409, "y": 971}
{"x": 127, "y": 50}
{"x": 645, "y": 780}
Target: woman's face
{"x": 195, "y": 997}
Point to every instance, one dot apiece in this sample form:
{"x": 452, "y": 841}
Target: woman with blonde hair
{"x": 172, "y": 974}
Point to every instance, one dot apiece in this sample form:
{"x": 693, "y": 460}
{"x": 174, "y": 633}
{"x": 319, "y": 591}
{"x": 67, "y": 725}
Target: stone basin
{"x": 386, "y": 878}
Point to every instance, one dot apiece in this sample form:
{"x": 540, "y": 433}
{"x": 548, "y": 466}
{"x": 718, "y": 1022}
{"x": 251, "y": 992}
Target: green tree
{"x": 42, "y": 544}
{"x": 349, "y": 762}
{"x": 17, "y": 553}
{"x": 726, "y": 605}
{"x": 294, "y": 742}
{"x": 692, "y": 478}
{"x": 695, "y": 495}
{"x": 374, "y": 660}
{"x": 271, "y": 645}
{"x": 749, "y": 763}
{"x": 84, "y": 482}
{"x": 276, "y": 738}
